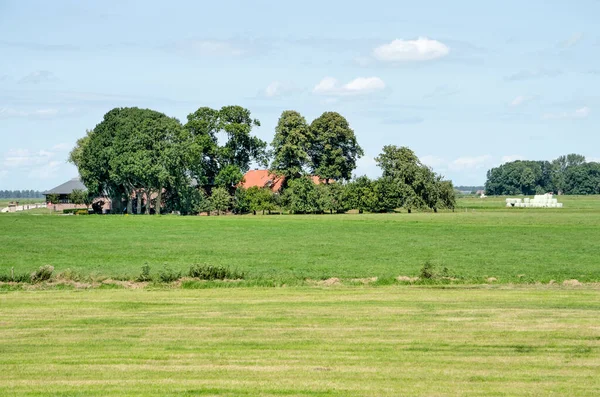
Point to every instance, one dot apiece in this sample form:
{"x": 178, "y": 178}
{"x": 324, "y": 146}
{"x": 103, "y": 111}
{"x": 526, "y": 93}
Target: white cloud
{"x": 441, "y": 91}
{"x": 356, "y": 87}
{"x": 470, "y": 163}
{"x": 45, "y": 165}
{"x": 40, "y": 164}
{"x": 44, "y": 113}
{"x": 521, "y": 99}
{"x": 511, "y": 158}
{"x": 465, "y": 163}
{"x": 37, "y": 113}
{"x": 62, "y": 147}
{"x": 37, "y": 77}
{"x": 273, "y": 89}
{"x": 572, "y": 41}
{"x": 421, "y": 49}
{"x": 581, "y": 113}
{"x": 46, "y": 171}
{"x": 22, "y": 158}
{"x": 433, "y": 161}
{"x": 278, "y": 89}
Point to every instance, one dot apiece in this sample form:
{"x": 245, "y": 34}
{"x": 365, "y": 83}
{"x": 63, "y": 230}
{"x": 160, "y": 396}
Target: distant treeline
{"x": 16, "y": 194}
{"x": 468, "y": 188}
{"x": 569, "y": 174}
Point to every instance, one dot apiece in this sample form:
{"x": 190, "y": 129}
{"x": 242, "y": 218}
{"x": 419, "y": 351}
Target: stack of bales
{"x": 539, "y": 201}
{"x": 514, "y": 202}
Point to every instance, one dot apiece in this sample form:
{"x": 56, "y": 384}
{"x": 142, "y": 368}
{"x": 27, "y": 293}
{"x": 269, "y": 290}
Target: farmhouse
{"x": 63, "y": 200}
{"x": 266, "y": 179}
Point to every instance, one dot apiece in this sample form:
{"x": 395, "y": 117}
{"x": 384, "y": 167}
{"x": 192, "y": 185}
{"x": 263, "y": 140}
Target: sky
{"x": 466, "y": 84}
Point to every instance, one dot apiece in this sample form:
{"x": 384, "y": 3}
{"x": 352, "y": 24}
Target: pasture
{"x": 358, "y": 341}
{"x": 308, "y": 339}
{"x": 481, "y": 239}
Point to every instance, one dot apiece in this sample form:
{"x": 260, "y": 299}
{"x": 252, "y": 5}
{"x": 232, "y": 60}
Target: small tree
{"x": 52, "y": 198}
{"x": 302, "y": 196}
{"x": 260, "y": 199}
{"x": 361, "y": 194}
{"x": 241, "y": 202}
{"x": 88, "y": 200}
{"x": 220, "y": 199}
{"x": 229, "y": 177}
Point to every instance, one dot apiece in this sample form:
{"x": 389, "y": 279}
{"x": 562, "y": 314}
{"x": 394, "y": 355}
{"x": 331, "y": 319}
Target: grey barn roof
{"x": 67, "y": 187}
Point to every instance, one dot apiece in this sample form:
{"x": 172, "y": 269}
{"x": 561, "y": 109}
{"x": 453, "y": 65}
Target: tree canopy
{"x": 144, "y": 157}
{"x": 291, "y": 145}
{"x": 333, "y": 148}
{"x": 568, "y": 174}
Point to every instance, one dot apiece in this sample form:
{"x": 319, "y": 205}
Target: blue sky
{"x": 466, "y": 84}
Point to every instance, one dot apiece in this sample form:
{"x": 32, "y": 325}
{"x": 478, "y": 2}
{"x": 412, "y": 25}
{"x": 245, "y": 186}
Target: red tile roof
{"x": 264, "y": 178}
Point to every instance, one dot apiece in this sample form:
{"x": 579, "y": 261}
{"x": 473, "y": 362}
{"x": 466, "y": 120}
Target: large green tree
{"x": 333, "y": 149}
{"x": 211, "y": 164}
{"x": 203, "y": 126}
{"x": 409, "y": 183}
{"x": 132, "y": 149}
{"x": 291, "y": 145}
{"x": 241, "y": 147}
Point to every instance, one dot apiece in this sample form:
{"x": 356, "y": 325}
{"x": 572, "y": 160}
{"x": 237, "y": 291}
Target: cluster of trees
{"x": 17, "y": 194}
{"x": 569, "y": 174}
{"x": 145, "y": 160}
{"x": 136, "y": 155}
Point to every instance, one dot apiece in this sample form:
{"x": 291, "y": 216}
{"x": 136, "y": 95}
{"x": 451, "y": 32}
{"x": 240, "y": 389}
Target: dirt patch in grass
{"x": 329, "y": 282}
{"x": 571, "y": 283}
{"x": 365, "y": 281}
{"x": 127, "y": 284}
{"x": 407, "y": 278}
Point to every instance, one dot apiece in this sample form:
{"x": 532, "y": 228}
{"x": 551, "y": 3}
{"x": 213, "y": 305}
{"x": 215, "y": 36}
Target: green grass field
{"x": 366, "y": 341}
{"x": 5, "y": 202}
{"x": 307, "y": 339}
{"x": 474, "y": 243}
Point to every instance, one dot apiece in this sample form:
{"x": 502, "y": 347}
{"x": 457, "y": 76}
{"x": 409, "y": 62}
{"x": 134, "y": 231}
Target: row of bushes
{"x": 76, "y": 211}
{"x": 165, "y": 275}
{"x": 44, "y": 273}
{"x": 200, "y": 272}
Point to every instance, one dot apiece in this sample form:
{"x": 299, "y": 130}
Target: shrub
{"x": 42, "y": 274}
{"x": 15, "y": 278}
{"x": 427, "y": 271}
{"x": 168, "y": 275}
{"x": 209, "y": 272}
{"x": 145, "y": 274}
{"x": 82, "y": 212}
{"x": 70, "y": 211}
{"x": 70, "y": 275}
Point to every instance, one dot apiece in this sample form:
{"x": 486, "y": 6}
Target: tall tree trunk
{"x": 116, "y": 205}
{"x": 129, "y": 205}
{"x": 139, "y": 201}
{"x": 158, "y": 201}
{"x": 148, "y": 201}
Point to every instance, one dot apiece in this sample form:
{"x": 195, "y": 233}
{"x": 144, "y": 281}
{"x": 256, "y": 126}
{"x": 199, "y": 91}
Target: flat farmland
{"x": 474, "y": 243}
{"x": 344, "y": 341}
